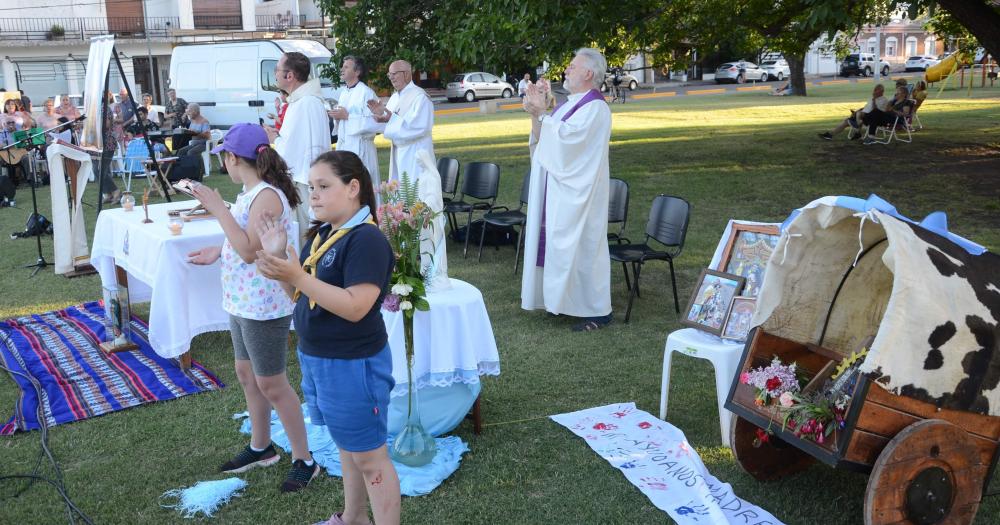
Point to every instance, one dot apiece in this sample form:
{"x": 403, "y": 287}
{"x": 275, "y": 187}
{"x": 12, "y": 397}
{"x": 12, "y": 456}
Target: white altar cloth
{"x": 185, "y": 299}
{"x": 464, "y": 347}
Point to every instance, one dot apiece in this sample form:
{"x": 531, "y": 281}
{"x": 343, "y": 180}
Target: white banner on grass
{"x": 655, "y": 456}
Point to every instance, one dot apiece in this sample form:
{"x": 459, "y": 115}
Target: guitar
{"x": 13, "y": 156}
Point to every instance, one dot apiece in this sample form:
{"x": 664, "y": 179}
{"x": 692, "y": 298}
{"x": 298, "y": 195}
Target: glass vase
{"x": 413, "y": 446}
{"x": 128, "y": 201}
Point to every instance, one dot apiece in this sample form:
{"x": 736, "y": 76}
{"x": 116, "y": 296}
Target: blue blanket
{"x": 412, "y": 481}
{"x": 59, "y": 351}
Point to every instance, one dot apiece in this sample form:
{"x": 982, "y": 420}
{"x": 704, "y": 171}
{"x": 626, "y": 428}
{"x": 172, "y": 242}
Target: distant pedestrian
{"x": 522, "y": 86}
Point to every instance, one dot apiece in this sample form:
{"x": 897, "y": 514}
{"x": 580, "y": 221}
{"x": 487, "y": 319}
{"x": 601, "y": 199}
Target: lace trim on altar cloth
{"x": 446, "y": 379}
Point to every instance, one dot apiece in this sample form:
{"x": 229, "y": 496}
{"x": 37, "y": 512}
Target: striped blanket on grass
{"x": 60, "y": 351}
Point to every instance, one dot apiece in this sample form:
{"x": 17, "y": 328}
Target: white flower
{"x": 405, "y": 305}
{"x": 402, "y": 290}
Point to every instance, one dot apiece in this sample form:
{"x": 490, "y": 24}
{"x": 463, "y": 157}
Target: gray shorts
{"x": 264, "y": 343}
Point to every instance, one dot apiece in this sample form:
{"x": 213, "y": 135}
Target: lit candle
{"x": 175, "y": 226}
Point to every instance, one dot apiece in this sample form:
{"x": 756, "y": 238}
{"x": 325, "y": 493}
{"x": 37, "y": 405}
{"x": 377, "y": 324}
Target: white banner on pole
{"x": 98, "y": 62}
{"x": 656, "y": 457}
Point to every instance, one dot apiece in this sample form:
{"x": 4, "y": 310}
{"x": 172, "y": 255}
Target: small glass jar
{"x": 175, "y": 225}
{"x": 128, "y": 201}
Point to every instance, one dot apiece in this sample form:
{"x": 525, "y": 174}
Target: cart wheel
{"x": 770, "y": 461}
{"x": 931, "y": 472}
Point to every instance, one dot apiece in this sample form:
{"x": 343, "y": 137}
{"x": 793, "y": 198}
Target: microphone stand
{"x": 27, "y": 144}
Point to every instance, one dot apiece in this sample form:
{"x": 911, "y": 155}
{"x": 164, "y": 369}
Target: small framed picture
{"x": 747, "y": 251}
{"x": 709, "y": 305}
{"x": 738, "y": 322}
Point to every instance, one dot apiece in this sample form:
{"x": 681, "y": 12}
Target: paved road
{"x": 443, "y": 107}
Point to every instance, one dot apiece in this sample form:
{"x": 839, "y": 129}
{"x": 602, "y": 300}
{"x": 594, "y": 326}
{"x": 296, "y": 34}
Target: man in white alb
{"x": 566, "y": 266}
{"x": 305, "y": 131}
{"x": 409, "y": 117}
{"x": 357, "y": 125}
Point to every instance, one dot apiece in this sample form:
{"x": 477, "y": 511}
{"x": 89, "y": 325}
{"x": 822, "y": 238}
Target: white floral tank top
{"x": 245, "y": 292}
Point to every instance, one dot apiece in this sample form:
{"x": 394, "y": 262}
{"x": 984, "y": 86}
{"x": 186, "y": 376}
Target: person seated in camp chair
{"x": 878, "y": 103}
{"x": 899, "y": 107}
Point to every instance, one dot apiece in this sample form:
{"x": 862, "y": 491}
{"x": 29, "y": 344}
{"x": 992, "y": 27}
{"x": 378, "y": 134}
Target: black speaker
{"x": 187, "y": 167}
{"x": 37, "y": 224}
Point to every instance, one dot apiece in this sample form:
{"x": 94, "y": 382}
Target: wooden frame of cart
{"x": 931, "y": 449}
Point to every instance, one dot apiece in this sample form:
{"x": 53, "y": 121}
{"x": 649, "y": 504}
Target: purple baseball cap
{"x": 243, "y": 140}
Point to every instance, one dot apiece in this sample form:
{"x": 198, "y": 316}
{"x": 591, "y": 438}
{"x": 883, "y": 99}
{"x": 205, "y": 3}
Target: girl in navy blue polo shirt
{"x": 346, "y": 264}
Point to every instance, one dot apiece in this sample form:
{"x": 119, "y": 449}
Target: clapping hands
{"x": 378, "y": 110}
{"x": 275, "y": 261}
{"x": 537, "y": 96}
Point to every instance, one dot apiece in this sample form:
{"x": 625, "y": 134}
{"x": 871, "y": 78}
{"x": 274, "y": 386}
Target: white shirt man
{"x": 409, "y": 117}
{"x": 357, "y": 125}
{"x": 305, "y": 131}
{"x": 566, "y": 264}
{"x": 522, "y": 86}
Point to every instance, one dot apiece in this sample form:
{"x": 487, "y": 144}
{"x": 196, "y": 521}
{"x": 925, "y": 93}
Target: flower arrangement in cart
{"x": 812, "y": 415}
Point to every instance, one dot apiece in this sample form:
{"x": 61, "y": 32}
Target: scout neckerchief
{"x": 319, "y": 248}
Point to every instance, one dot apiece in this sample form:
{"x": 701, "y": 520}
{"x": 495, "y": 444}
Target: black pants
{"x": 877, "y": 118}
{"x": 194, "y": 148}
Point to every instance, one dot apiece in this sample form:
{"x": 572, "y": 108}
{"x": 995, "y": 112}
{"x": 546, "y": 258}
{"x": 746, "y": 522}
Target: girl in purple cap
{"x": 260, "y": 312}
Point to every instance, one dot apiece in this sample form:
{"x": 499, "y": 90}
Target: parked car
{"x": 776, "y": 69}
{"x": 862, "y": 64}
{"x": 234, "y": 81}
{"x": 476, "y": 85}
{"x": 920, "y": 62}
{"x": 628, "y": 80}
{"x": 739, "y": 72}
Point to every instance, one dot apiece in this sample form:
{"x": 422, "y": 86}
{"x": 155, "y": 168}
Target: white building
{"x": 44, "y": 45}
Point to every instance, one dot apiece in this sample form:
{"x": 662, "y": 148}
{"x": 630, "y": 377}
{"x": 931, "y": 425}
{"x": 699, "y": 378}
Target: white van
{"x": 234, "y": 81}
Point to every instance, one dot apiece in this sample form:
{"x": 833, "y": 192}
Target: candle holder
{"x": 176, "y": 223}
{"x": 145, "y": 206}
{"x": 128, "y": 201}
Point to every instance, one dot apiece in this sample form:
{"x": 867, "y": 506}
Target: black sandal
{"x": 590, "y": 325}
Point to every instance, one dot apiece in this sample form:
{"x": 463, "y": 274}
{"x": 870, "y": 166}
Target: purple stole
{"x": 590, "y": 96}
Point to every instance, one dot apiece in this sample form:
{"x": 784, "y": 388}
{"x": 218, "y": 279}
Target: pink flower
{"x": 745, "y": 378}
{"x": 786, "y": 399}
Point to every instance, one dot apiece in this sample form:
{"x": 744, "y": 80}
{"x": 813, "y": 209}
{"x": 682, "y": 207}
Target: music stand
{"x": 105, "y": 158}
{"x": 30, "y": 141}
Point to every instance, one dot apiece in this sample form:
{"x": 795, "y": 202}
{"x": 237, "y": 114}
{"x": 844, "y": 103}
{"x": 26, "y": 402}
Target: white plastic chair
{"x": 206, "y": 156}
{"x": 725, "y": 358}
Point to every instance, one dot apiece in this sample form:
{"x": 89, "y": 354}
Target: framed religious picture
{"x": 738, "y": 321}
{"x": 748, "y": 248}
{"x": 709, "y": 305}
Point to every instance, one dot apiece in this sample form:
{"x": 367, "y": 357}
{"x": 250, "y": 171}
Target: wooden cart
{"x": 927, "y": 464}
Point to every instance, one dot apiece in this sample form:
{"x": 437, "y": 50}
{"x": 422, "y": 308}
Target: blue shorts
{"x": 350, "y": 397}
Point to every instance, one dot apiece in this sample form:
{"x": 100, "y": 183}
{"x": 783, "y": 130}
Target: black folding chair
{"x": 482, "y": 181}
{"x": 617, "y": 209}
{"x": 510, "y": 218}
{"x": 448, "y": 168}
{"x": 668, "y": 223}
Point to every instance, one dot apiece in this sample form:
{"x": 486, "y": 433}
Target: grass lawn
{"x": 746, "y": 156}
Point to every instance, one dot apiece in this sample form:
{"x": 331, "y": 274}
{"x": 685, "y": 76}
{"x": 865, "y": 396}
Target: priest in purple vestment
{"x": 566, "y": 266}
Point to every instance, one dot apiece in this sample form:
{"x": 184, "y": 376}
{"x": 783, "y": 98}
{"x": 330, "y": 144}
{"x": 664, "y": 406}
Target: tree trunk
{"x": 980, "y": 18}
{"x": 797, "y": 66}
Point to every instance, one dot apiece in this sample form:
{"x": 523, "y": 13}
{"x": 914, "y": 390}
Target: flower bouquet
{"x": 771, "y": 381}
{"x": 401, "y": 217}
